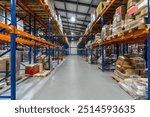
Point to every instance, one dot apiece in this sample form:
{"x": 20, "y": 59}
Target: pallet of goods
{"x": 130, "y": 66}
{"x": 32, "y": 69}
{"x": 136, "y": 13}
{"x": 131, "y": 70}
{"x": 43, "y": 59}
{"x": 127, "y": 19}
{"x": 136, "y": 87}
{"x": 42, "y": 74}
{"x": 5, "y": 67}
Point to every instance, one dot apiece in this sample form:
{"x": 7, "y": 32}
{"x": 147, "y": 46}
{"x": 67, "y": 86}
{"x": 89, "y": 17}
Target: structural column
{"x": 35, "y": 47}
{"x": 58, "y": 49}
{"x": 49, "y": 38}
{"x": 102, "y": 49}
{"x": 13, "y": 51}
{"x": 117, "y": 50}
{"x": 91, "y": 38}
{"x": 148, "y": 48}
{"x": 30, "y": 47}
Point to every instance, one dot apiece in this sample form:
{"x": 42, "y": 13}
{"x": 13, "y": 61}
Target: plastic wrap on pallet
{"x": 106, "y": 31}
{"x": 118, "y": 27}
{"x": 137, "y": 88}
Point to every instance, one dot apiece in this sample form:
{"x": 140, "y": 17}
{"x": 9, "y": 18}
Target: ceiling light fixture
{"x": 72, "y": 33}
{"x": 72, "y": 19}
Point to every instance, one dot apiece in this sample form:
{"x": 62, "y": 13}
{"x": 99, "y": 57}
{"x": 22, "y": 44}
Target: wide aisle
{"x": 78, "y": 80}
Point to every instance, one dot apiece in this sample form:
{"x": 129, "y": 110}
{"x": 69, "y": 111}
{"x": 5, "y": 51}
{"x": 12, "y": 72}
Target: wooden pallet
{"x": 132, "y": 29}
{"x": 141, "y": 12}
{"x": 42, "y": 74}
{"x": 116, "y": 78}
{"x": 2, "y": 85}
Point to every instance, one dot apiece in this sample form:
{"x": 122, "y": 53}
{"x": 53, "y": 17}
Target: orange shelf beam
{"x": 24, "y": 34}
{"x": 131, "y": 36}
{"x": 6, "y": 38}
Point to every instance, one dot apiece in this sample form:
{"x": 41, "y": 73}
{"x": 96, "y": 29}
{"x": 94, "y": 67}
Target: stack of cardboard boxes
{"x": 43, "y": 59}
{"x": 130, "y": 66}
{"x": 102, "y": 5}
{"x": 127, "y": 17}
{"x": 118, "y": 19}
{"x": 40, "y": 68}
{"x": 131, "y": 69}
{"x": 5, "y": 67}
{"x": 137, "y": 11}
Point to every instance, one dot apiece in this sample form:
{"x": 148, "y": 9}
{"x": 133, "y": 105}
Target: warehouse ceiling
{"x": 77, "y": 10}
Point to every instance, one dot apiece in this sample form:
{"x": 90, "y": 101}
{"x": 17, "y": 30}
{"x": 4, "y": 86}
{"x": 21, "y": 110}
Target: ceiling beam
{"x": 74, "y": 31}
{"x": 74, "y": 12}
{"x": 79, "y": 3}
{"x": 76, "y": 19}
{"x": 88, "y": 10}
{"x": 74, "y": 27}
{"x": 75, "y": 23}
{"x": 68, "y": 30}
{"x": 77, "y": 10}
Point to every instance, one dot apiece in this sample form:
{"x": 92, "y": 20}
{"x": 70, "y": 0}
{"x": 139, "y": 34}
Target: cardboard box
{"x": 32, "y": 69}
{"x": 138, "y": 7}
{"x": 132, "y": 3}
{"x": 138, "y": 62}
{"x": 2, "y": 67}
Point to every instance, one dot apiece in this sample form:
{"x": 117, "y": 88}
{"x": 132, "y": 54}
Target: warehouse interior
{"x": 74, "y": 49}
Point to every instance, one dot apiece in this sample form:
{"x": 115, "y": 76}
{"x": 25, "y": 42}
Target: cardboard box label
{"x": 132, "y": 10}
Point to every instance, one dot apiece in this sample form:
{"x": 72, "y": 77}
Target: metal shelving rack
{"x": 44, "y": 22}
{"x": 139, "y": 36}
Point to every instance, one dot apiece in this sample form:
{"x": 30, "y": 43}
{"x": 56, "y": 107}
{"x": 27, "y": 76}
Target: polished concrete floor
{"x": 77, "y": 80}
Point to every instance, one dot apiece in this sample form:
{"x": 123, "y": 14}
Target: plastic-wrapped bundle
{"x": 136, "y": 87}
{"x": 106, "y": 31}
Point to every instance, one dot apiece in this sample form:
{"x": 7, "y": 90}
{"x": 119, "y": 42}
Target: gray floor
{"x": 77, "y": 80}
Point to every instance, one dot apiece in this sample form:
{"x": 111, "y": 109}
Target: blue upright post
{"x": 35, "y": 48}
{"x": 5, "y": 17}
{"x": 145, "y": 53}
{"x": 127, "y": 50}
{"x": 46, "y": 37}
{"x": 30, "y": 47}
{"x": 148, "y": 55}
{"x": 102, "y": 49}
{"x": 91, "y": 38}
{"x": 138, "y": 48}
{"x": 117, "y": 50}
{"x": 49, "y": 38}
{"x": 58, "y": 49}
{"x": 54, "y": 49}
{"x": 13, "y": 51}
{"x": 103, "y": 60}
